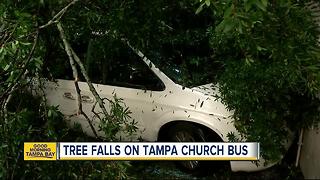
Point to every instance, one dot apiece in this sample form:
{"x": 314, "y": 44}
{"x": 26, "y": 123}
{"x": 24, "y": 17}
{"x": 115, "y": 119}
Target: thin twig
{"x": 94, "y": 112}
{"x": 24, "y": 69}
{"x": 43, "y": 95}
{"x": 5, "y": 108}
{"x": 94, "y": 106}
{"x": 58, "y": 16}
{"x": 6, "y": 39}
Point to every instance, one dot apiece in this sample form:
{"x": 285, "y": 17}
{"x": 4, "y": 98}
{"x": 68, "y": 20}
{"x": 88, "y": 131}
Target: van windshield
{"x": 189, "y": 71}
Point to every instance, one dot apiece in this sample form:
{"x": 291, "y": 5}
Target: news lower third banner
{"x": 140, "y": 151}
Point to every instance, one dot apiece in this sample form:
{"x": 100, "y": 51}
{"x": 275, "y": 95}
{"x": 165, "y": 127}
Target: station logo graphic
{"x": 40, "y": 151}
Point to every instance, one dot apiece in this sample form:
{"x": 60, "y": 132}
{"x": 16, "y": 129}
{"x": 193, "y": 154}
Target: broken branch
{"x": 58, "y": 16}
{"x": 68, "y": 50}
{"x": 91, "y": 87}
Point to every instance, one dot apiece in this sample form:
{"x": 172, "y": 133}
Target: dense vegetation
{"x": 263, "y": 55}
{"x": 271, "y": 74}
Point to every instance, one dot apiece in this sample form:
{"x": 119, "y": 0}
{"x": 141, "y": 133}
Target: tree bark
{"x": 69, "y": 52}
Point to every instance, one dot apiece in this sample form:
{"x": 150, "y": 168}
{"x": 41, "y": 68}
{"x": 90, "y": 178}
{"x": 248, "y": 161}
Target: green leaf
{"x": 25, "y": 43}
{"x": 259, "y": 48}
{"x": 264, "y": 2}
{"x": 248, "y": 61}
{"x": 49, "y": 113}
{"x": 228, "y": 25}
{"x": 228, "y": 11}
{"x": 200, "y": 8}
{"x": 261, "y": 5}
{"x": 220, "y": 26}
{"x": 247, "y": 5}
{"x": 6, "y": 67}
{"x": 207, "y": 2}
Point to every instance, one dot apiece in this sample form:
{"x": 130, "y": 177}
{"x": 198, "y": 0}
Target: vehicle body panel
{"x": 152, "y": 109}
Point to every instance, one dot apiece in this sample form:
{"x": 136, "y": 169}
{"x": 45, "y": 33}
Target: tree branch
{"x": 69, "y": 51}
{"x": 91, "y": 87}
{"x": 23, "y": 72}
{"x": 7, "y": 38}
{"x": 58, "y": 16}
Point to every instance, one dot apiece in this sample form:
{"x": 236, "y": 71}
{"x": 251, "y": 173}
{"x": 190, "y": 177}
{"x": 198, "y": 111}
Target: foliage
{"x": 24, "y": 53}
{"x": 27, "y": 124}
{"x": 17, "y": 39}
{"x": 265, "y": 53}
{"x": 118, "y": 121}
{"x": 271, "y": 75}
{"x": 168, "y": 32}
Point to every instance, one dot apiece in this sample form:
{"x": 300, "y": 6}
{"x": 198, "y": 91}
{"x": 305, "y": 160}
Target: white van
{"x": 163, "y": 109}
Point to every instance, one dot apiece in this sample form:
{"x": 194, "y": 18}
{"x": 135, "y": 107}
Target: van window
{"x": 111, "y": 62}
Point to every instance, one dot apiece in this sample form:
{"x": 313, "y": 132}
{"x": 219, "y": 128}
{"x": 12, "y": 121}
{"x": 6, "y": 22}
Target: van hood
{"x": 212, "y": 103}
{"x": 208, "y": 89}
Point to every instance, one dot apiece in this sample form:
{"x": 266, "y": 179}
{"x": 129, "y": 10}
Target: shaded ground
{"x": 168, "y": 170}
